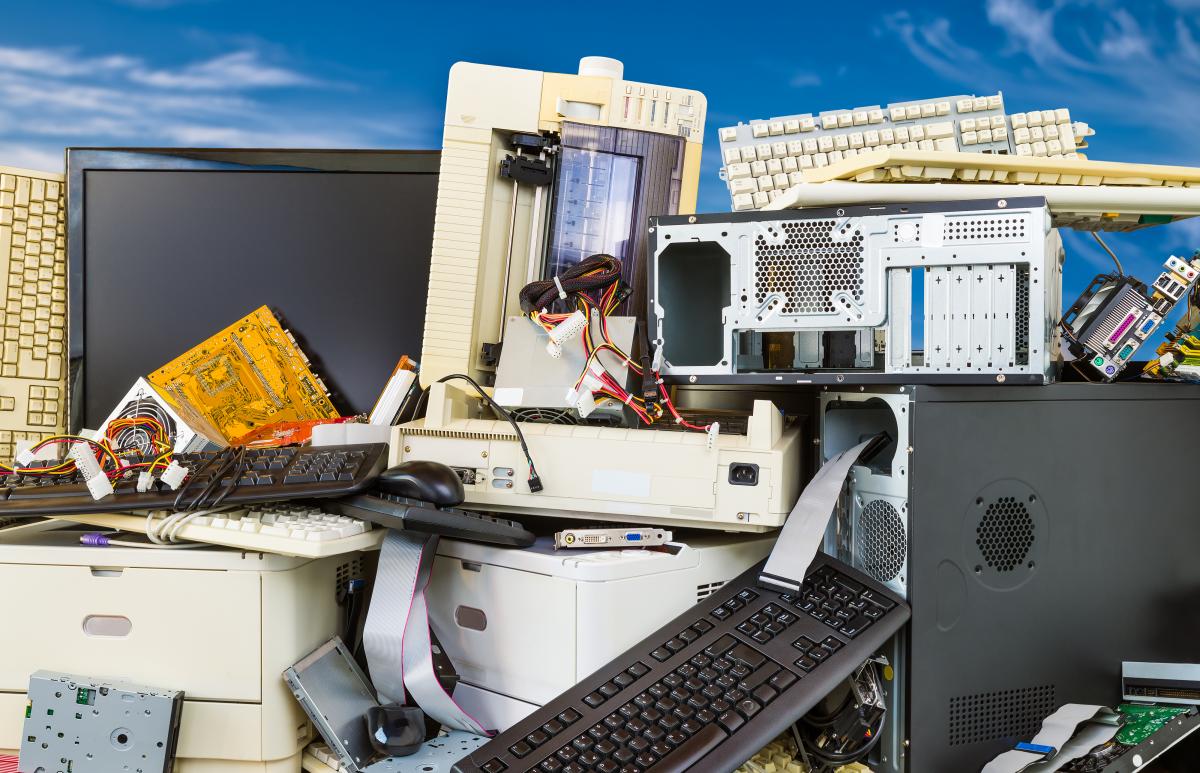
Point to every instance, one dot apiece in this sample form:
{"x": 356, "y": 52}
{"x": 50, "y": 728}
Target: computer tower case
{"x": 1042, "y": 534}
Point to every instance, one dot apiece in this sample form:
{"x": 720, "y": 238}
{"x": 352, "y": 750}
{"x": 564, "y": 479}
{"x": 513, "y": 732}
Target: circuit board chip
{"x": 249, "y": 375}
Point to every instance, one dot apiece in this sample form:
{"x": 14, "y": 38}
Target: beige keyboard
{"x": 781, "y": 756}
{"x": 287, "y": 528}
{"x": 33, "y": 362}
{"x": 1082, "y": 193}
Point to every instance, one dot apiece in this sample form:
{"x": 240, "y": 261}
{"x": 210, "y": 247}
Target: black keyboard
{"x": 397, "y": 512}
{"x": 262, "y": 475}
{"x": 710, "y": 688}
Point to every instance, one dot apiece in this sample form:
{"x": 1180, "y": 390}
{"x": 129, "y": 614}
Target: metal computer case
{"x": 951, "y": 292}
{"x": 1049, "y": 539}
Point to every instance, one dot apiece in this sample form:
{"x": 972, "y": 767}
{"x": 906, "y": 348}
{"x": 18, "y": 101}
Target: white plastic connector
{"x": 24, "y": 458}
{"x": 657, "y": 363}
{"x": 97, "y": 482}
{"x": 582, "y": 400}
{"x": 714, "y": 430}
{"x": 565, "y": 331}
{"x": 144, "y": 481}
{"x": 174, "y": 474}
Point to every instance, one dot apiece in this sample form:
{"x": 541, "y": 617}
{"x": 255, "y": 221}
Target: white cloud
{"x": 804, "y": 80}
{"x": 1031, "y": 30}
{"x": 25, "y": 156}
{"x": 60, "y": 62}
{"x": 53, "y": 98}
{"x": 1111, "y": 68}
{"x": 1123, "y": 38}
{"x": 932, "y": 44}
{"x": 236, "y": 70}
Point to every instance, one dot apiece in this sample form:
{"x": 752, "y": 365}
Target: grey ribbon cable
{"x": 1069, "y": 733}
{"x": 396, "y": 634}
{"x": 805, "y": 528}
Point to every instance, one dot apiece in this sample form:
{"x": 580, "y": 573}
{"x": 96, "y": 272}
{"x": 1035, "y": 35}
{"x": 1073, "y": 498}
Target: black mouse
{"x": 427, "y": 481}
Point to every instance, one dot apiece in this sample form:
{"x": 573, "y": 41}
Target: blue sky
{"x": 309, "y": 74}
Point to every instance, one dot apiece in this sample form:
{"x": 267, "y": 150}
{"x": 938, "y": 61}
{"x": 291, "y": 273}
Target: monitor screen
{"x": 162, "y": 258}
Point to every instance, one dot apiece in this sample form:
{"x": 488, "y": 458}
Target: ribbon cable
{"x": 804, "y": 530}
{"x": 1067, "y": 734}
{"x": 396, "y": 634}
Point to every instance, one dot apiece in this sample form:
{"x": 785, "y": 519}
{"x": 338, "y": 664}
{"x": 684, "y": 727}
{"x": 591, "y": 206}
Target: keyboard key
{"x": 855, "y": 626}
{"x": 568, "y": 716}
{"x": 550, "y": 765}
{"x": 661, "y": 654}
{"x": 638, "y": 670}
{"x": 720, "y": 646}
{"x": 764, "y": 694}
{"x": 745, "y": 655}
{"x": 553, "y": 727}
{"x": 623, "y": 680}
{"x": 806, "y": 664}
{"x": 832, "y": 643}
{"x": 720, "y": 613}
{"x": 520, "y": 749}
{"x": 537, "y": 738}
{"x": 593, "y": 699}
{"x": 782, "y": 680}
{"x": 762, "y": 637}
{"x": 494, "y": 766}
{"x": 819, "y": 653}
{"x": 675, "y": 645}
{"x": 691, "y": 751}
{"x": 877, "y": 598}
{"x": 609, "y": 689}
{"x": 748, "y": 707}
{"x": 702, "y": 626}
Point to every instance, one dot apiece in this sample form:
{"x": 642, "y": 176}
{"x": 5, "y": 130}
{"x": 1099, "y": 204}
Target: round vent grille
{"x": 808, "y": 266}
{"x": 1005, "y": 534}
{"x": 882, "y": 543}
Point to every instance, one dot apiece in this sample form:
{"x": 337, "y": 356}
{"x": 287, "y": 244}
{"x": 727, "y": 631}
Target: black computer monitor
{"x": 167, "y": 247}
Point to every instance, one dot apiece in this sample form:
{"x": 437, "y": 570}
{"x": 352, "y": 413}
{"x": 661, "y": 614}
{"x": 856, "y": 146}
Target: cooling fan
{"x": 137, "y": 436}
{"x": 187, "y": 432}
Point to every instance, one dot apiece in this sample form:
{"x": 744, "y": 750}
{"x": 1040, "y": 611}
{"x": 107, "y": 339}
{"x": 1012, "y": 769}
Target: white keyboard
{"x": 763, "y": 158}
{"x": 287, "y": 528}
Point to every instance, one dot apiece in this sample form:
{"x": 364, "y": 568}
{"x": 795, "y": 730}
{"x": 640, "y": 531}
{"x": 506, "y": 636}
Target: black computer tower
{"x": 1042, "y": 535}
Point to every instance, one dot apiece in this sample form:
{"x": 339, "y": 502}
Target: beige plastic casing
{"x": 1082, "y": 193}
{"x": 221, "y": 625}
{"x": 659, "y": 477}
{"x": 484, "y": 106}
{"x": 33, "y": 226}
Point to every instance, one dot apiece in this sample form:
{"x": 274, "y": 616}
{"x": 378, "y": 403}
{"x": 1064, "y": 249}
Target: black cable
{"x": 216, "y": 458}
{"x": 201, "y": 499}
{"x": 238, "y": 468}
{"x": 836, "y": 759}
{"x": 543, "y": 293}
{"x": 535, "y": 483}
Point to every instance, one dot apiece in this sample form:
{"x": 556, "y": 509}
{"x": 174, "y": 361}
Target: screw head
{"x": 1000, "y": 379}
{"x": 691, "y": 218}
{"x": 691, "y": 379}
{"x": 1002, "y": 203}
{"x": 408, "y": 449}
{"x": 483, "y": 454}
{"x": 741, "y": 516}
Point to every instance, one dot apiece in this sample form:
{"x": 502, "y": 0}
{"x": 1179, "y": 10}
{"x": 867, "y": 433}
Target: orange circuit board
{"x": 249, "y": 375}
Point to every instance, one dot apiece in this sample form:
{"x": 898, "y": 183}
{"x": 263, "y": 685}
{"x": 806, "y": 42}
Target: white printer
{"x": 219, "y": 624}
{"x": 522, "y": 626}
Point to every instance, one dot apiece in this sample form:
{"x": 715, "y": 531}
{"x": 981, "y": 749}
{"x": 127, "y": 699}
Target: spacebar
{"x": 691, "y": 750}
